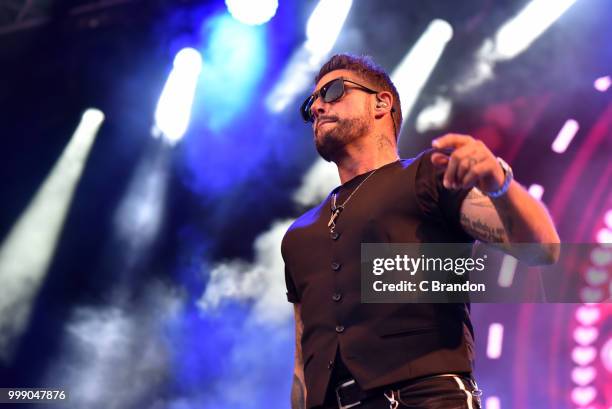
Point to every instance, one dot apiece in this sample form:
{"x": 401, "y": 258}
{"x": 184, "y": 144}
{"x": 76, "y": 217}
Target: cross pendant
{"x": 334, "y": 216}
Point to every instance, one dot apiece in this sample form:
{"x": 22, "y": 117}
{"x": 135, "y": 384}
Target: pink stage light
{"x": 506, "y": 271}
{"x": 608, "y": 218}
{"x": 584, "y": 355}
{"x": 606, "y": 355}
{"x": 596, "y": 276}
{"x": 492, "y": 402}
{"x": 536, "y": 191}
{"x": 583, "y": 395}
{"x": 604, "y": 236}
{"x": 602, "y": 84}
{"x": 585, "y": 335}
{"x": 495, "y": 340}
{"x": 592, "y": 295}
{"x": 583, "y": 375}
{"x": 587, "y": 315}
{"x": 601, "y": 256}
{"x": 565, "y": 136}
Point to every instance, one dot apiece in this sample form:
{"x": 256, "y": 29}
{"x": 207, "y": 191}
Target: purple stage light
{"x": 602, "y": 84}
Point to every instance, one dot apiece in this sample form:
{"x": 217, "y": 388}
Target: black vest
{"x": 380, "y": 344}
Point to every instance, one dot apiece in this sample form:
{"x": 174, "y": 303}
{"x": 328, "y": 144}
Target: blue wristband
{"x": 508, "y": 176}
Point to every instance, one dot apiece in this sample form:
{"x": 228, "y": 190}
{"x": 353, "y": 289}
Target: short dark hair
{"x": 366, "y": 68}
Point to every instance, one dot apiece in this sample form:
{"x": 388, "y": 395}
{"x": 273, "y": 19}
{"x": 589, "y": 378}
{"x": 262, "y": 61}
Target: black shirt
{"x": 380, "y": 344}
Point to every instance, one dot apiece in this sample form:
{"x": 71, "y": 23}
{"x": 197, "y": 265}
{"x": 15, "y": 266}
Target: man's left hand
{"x": 469, "y": 163}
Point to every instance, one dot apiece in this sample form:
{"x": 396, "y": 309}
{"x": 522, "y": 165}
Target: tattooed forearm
{"x": 481, "y": 230}
{"x": 515, "y": 217}
{"x": 297, "y": 394}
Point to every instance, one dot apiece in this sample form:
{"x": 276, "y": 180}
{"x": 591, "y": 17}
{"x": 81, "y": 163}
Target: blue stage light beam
{"x": 412, "y": 73}
{"x": 140, "y": 214}
{"x": 252, "y": 12}
{"x": 514, "y": 37}
{"x": 174, "y": 107}
{"x": 235, "y": 61}
{"x": 28, "y": 249}
{"x": 324, "y": 27}
{"x": 322, "y": 30}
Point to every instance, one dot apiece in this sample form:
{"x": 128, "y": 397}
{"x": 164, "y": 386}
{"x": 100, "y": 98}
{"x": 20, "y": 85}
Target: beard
{"x": 331, "y": 139}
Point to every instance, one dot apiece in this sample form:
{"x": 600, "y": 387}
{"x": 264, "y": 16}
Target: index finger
{"x": 451, "y": 140}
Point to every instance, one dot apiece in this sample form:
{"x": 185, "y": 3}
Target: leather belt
{"x": 349, "y": 394}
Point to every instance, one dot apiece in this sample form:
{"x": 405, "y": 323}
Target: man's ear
{"x": 384, "y": 103}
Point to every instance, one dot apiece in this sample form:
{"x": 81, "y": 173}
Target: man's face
{"x": 339, "y": 123}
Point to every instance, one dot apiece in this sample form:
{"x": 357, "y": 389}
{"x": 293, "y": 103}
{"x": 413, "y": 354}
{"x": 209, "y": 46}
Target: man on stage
{"x": 350, "y": 354}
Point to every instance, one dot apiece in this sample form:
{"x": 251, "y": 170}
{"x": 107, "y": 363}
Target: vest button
{"x": 335, "y": 266}
{"x": 339, "y": 329}
{"x": 334, "y": 235}
{"x": 330, "y": 365}
{"x": 337, "y": 297}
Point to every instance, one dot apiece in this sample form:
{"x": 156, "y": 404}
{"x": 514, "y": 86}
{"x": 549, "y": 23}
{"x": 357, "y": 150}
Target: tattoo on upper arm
{"x": 495, "y": 224}
{"x": 482, "y": 231}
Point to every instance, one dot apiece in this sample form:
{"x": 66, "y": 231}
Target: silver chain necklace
{"x": 336, "y": 210}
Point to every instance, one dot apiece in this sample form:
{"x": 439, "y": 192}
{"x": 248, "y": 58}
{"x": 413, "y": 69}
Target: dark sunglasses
{"x": 330, "y": 92}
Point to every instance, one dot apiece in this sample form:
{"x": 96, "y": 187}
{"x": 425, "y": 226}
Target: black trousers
{"x": 433, "y": 392}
